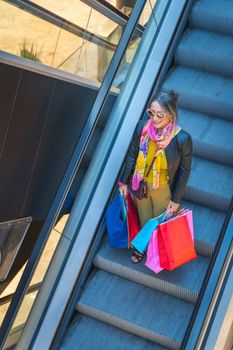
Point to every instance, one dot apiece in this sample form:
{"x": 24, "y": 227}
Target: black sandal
{"x": 138, "y": 256}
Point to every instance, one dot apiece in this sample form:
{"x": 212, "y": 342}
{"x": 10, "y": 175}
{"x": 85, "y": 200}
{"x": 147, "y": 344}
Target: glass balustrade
{"x": 67, "y": 35}
{"x": 63, "y": 35}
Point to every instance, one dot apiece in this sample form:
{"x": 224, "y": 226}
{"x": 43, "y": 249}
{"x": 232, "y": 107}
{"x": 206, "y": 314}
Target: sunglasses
{"x": 152, "y": 114}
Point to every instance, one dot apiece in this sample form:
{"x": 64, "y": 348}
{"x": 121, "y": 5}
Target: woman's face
{"x": 158, "y": 116}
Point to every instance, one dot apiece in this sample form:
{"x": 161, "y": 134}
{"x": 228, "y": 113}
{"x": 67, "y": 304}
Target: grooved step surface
{"x": 86, "y": 333}
{"x": 201, "y": 91}
{"x": 206, "y": 50}
{"x": 216, "y": 15}
{"x": 212, "y": 137}
{"x": 184, "y": 282}
{"x": 207, "y": 226}
{"x": 211, "y": 183}
{"x": 137, "y": 305}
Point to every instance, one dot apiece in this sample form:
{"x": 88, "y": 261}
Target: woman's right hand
{"x": 123, "y": 189}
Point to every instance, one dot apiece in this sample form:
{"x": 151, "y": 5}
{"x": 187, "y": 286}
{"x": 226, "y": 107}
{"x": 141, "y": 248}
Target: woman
{"x": 160, "y": 140}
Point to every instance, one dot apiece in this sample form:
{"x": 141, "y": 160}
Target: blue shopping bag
{"x": 116, "y": 223}
{"x": 141, "y": 241}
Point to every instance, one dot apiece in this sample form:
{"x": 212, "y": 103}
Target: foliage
{"x": 29, "y": 51}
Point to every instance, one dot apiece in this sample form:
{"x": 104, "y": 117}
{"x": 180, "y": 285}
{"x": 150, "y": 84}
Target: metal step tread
{"x": 212, "y": 137}
{"x": 201, "y": 91}
{"x": 210, "y": 182}
{"x": 206, "y": 50}
{"x": 183, "y": 282}
{"x": 88, "y": 333}
{"x": 116, "y": 300}
{"x": 207, "y": 226}
{"x": 216, "y": 15}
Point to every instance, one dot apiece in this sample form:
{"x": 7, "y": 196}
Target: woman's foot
{"x": 136, "y": 257}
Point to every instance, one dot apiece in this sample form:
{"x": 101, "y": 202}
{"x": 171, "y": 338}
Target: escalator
{"x": 62, "y": 95}
{"x": 119, "y": 305}
{"x": 125, "y": 306}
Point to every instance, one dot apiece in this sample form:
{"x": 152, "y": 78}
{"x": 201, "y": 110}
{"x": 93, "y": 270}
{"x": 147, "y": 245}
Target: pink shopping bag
{"x": 153, "y": 260}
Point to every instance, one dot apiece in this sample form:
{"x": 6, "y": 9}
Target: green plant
{"x": 29, "y": 51}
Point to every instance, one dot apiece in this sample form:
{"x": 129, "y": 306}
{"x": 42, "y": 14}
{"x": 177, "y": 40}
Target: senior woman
{"x": 159, "y": 154}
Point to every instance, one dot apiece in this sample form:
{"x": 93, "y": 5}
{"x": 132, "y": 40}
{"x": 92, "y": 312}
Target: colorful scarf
{"x": 162, "y": 139}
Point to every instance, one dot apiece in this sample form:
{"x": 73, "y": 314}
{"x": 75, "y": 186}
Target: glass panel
{"x": 147, "y": 11}
{"x": 126, "y": 6}
{"x": 7, "y": 294}
{"x": 36, "y": 280}
{"x": 77, "y": 46}
{"x": 135, "y": 40}
{"x": 12, "y": 234}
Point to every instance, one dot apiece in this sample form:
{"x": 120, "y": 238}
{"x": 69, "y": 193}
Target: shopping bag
{"x": 141, "y": 240}
{"x": 116, "y": 223}
{"x": 132, "y": 218}
{"x": 153, "y": 260}
{"x": 189, "y": 215}
{"x": 175, "y": 242}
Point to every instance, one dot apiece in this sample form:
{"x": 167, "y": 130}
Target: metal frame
{"x": 97, "y": 186}
{"x": 6, "y": 299}
{"x": 221, "y": 329}
{"x": 209, "y": 297}
{"x": 113, "y": 13}
{"x": 70, "y": 173}
{"x": 37, "y": 67}
{"x": 60, "y": 22}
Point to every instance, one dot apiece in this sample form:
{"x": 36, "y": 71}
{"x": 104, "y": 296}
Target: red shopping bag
{"x": 132, "y": 218}
{"x": 175, "y": 243}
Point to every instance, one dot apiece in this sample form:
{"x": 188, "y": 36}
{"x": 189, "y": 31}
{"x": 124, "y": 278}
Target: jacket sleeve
{"x": 131, "y": 156}
{"x": 183, "y": 171}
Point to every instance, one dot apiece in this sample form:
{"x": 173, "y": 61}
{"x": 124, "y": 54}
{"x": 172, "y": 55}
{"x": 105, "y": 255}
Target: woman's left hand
{"x": 172, "y": 206}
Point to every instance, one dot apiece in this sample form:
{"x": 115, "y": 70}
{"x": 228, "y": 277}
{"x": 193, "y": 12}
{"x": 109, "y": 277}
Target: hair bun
{"x": 174, "y": 95}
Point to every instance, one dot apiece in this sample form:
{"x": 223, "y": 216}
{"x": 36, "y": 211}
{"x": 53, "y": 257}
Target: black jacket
{"x": 179, "y": 157}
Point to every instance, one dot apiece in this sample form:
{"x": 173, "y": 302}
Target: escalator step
{"x": 204, "y": 50}
{"x": 184, "y": 282}
{"x": 90, "y": 334}
{"x": 210, "y": 184}
{"x": 215, "y": 15}
{"x": 208, "y": 142}
{"x": 203, "y": 92}
{"x": 207, "y": 226}
{"x": 135, "y": 308}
